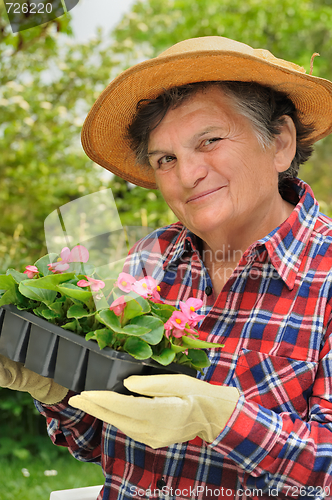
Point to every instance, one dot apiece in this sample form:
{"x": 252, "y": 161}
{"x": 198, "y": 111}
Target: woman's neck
{"x": 222, "y": 252}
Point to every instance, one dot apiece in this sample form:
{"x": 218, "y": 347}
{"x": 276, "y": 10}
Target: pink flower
{"x": 168, "y": 329}
{"x": 147, "y": 287}
{"x": 125, "y": 282}
{"x": 118, "y": 305}
{"x": 78, "y": 254}
{"x": 155, "y": 294}
{"x": 171, "y": 331}
{"x": 58, "y": 267}
{"x": 177, "y": 320}
{"x": 189, "y": 307}
{"x": 177, "y": 333}
{"x": 95, "y": 285}
{"x": 31, "y": 271}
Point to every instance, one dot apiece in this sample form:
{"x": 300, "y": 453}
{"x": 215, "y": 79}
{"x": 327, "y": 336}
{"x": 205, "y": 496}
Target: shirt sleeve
{"x": 281, "y": 450}
{"x": 79, "y": 432}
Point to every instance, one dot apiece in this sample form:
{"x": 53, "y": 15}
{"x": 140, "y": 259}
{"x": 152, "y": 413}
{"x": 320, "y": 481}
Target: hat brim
{"x": 105, "y": 128}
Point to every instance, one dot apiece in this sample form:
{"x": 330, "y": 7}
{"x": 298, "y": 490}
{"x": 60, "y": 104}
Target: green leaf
{"x": 26, "y": 304}
{"x": 163, "y": 311}
{"x": 100, "y": 302}
{"x": 198, "y": 358}
{"x": 165, "y": 358}
{"x": 119, "y": 341}
{"x": 144, "y": 303}
{"x": 41, "y": 263}
{"x": 18, "y": 277}
{"x": 28, "y": 292}
{"x": 137, "y": 348}
{"x": 57, "y": 305}
{"x": 133, "y": 309}
{"x": 85, "y": 325}
{"x": 73, "y": 326}
{"x": 50, "y": 315}
{"x": 200, "y": 344}
{"x": 50, "y": 282}
{"x": 11, "y": 293}
{"x": 135, "y": 330}
{"x": 110, "y": 319}
{"x": 74, "y": 291}
{"x": 12, "y": 296}
{"x": 7, "y": 298}
{"x": 78, "y": 311}
{"x": 103, "y": 336}
{"x": 90, "y": 336}
{"x": 177, "y": 348}
{"x": 39, "y": 294}
{"x": 7, "y": 282}
{"x": 155, "y": 325}
{"x": 38, "y": 311}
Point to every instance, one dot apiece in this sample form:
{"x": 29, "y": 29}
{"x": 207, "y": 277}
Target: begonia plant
{"x": 125, "y": 313}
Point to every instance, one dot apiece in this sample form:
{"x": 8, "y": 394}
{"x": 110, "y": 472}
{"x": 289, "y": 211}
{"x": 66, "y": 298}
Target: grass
{"x": 70, "y": 474}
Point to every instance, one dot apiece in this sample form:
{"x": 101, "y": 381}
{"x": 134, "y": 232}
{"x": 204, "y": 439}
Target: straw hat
{"x": 198, "y": 59}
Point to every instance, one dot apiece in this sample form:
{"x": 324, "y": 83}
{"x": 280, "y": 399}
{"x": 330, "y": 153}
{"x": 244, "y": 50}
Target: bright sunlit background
{"x": 89, "y": 15}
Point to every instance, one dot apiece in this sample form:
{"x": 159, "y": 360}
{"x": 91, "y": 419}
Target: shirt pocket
{"x": 279, "y": 383}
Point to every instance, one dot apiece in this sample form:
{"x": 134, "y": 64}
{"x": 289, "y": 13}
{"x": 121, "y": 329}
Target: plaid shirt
{"x": 274, "y": 317}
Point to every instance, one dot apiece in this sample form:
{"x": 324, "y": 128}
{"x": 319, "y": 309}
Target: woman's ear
{"x": 285, "y": 144}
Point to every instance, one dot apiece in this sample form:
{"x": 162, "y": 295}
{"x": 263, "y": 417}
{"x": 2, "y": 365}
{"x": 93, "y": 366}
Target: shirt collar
{"x": 186, "y": 242}
{"x": 286, "y": 244}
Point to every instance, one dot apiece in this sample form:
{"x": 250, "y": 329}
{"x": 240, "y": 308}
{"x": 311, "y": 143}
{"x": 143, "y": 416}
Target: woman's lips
{"x": 204, "y": 193}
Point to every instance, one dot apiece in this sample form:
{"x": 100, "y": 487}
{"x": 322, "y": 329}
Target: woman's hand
{"x": 178, "y": 408}
{"x": 18, "y": 378}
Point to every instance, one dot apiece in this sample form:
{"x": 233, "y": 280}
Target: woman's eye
{"x": 165, "y": 161}
{"x": 210, "y": 141}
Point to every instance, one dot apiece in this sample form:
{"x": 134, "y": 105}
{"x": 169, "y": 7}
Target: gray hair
{"x": 263, "y": 106}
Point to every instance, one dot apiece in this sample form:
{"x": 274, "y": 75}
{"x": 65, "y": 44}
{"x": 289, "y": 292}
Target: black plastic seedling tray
{"x": 69, "y": 359}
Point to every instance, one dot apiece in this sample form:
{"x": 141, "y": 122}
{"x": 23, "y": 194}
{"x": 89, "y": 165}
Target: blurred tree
{"x": 290, "y": 29}
{"x": 42, "y": 103}
{"x": 48, "y": 83}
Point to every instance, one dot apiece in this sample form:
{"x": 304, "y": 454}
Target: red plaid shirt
{"x": 274, "y": 317}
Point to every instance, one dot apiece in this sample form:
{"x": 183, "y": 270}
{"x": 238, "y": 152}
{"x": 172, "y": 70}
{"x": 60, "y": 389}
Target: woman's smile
{"x": 201, "y": 196}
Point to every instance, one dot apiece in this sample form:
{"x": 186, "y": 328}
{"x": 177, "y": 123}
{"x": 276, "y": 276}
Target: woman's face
{"x": 210, "y": 167}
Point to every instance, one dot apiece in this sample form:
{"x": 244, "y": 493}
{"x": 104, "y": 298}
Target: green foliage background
{"x": 47, "y": 84}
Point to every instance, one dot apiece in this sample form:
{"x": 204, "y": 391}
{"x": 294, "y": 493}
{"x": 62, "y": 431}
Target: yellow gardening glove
{"x": 15, "y": 376}
{"x": 180, "y": 408}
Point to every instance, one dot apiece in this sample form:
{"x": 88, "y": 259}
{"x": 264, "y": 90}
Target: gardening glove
{"x": 179, "y": 408}
{"x": 15, "y": 376}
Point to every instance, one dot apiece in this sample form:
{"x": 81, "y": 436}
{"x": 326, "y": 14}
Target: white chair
{"x": 89, "y": 493}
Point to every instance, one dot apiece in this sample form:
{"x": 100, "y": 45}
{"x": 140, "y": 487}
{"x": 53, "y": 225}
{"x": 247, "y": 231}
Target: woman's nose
{"x": 191, "y": 169}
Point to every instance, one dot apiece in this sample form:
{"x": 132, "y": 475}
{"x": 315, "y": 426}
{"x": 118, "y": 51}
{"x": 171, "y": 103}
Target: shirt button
{"x": 161, "y": 484}
{"x": 208, "y": 290}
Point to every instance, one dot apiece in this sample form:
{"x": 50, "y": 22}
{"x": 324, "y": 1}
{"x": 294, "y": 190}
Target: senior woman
{"x": 220, "y": 129}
